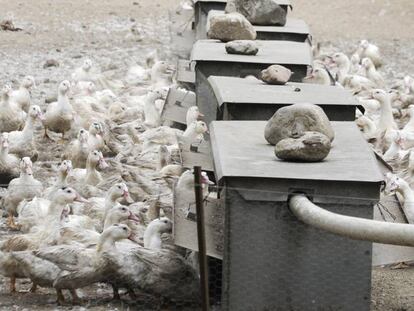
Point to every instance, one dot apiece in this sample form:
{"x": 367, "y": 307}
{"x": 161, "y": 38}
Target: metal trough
{"x": 211, "y": 59}
{"x": 232, "y": 98}
{"x": 273, "y": 261}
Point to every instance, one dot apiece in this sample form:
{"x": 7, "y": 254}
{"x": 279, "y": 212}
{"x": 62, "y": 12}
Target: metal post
{"x": 202, "y": 256}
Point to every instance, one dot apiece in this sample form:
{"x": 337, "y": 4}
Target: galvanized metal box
{"x": 212, "y": 59}
{"x": 251, "y": 99}
{"x": 271, "y": 260}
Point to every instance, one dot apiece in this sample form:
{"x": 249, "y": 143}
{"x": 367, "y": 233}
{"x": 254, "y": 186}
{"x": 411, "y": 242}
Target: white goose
{"x": 372, "y": 73}
{"x": 61, "y": 181}
{"x": 95, "y": 138}
{"x": 9, "y": 163}
{"x": 318, "y": 76}
{"x": 151, "y": 114}
{"x": 22, "y": 96}
{"x": 59, "y": 115}
{"x": 21, "y": 142}
{"x": 154, "y": 231}
{"x": 26, "y": 187}
{"x": 11, "y": 117}
{"x": 386, "y": 123}
{"x": 371, "y": 51}
{"x": 193, "y": 114}
{"x": 78, "y": 150}
{"x": 195, "y": 131}
{"x": 89, "y": 175}
{"x": 402, "y": 187}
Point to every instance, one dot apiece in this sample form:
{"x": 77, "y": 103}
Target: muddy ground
{"x": 70, "y": 30}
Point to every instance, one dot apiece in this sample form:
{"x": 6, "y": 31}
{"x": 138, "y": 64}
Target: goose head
{"x": 4, "y": 141}
{"x": 160, "y": 225}
{"x": 355, "y": 59}
{"x": 65, "y": 167}
{"x": 364, "y": 44}
{"x": 193, "y": 114}
{"x": 119, "y": 214}
{"x": 87, "y": 64}
{"x": 36, "y": 113}
{"x": 380, "y": 95}
{"x": 318, "y": 74}
{"x": 26, "y": 166}
{"x": 120, "y": 190}
{"x": 340, "y": 59}
{"x": 96, "y": 129}
{"x": 112, "y": 234}
{"x": 6, "y": 91}
{"x": 162, "y": 67}
{"x": 408, "y": 84}
{"x": 367, "y": 63}
{"x": 28, "y": 82}
{"x": 90, "y": 88}
{"x": 201, "y": 127}
{"x": 83, "y": 136}
{"x": 64, "y": 87}
{"x": 67, "y": 195}
{"x": 153, "y": 95}
{"x": 95, "y": 158}
{"x": 394, "y": 184}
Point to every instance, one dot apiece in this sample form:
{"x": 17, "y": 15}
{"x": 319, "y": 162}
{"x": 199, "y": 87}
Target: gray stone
{"x": 259, "y": 12}
{"x": 51, "y": 63}
{"x": 229, "y": 27}
{"x": 276, "y": 74}
{"x": 309, "y": 147}
{"x": 292, "y": 121}
{"x": 244, "y": 47}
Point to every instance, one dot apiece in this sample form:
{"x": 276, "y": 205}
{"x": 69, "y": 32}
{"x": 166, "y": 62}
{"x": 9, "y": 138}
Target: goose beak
{"x": 127, "y": 197}
{"x": 80, "y": 199}
{"x": 200, "y": 115}
{"x": 132, "y": 237}
{"x": 41, "y": 116}
{"x": 102, "y": 164}
{"x": 133, "y": 217}
{"x": 206, "y": 181}
{"x": 29, "y": 170}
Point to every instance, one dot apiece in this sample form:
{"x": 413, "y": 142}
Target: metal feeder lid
{"x": 240, "y": 150}
{"x": 250, "y": 91}
{"x": 270, "y": 52}
{"x": 293, "y": 25}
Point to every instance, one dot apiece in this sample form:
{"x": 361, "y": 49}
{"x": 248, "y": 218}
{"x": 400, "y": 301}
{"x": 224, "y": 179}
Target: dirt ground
{"x": 70, "y": 30}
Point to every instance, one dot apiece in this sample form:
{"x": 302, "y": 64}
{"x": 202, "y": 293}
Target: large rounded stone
{"x": 259, "y": 12}
{"x": 243, "y": 47}
{"x": 229, "y": 27}
{"x": 291, "y": 121}
{"x": 310, "y": 147}
{"x": 276, "y": 74}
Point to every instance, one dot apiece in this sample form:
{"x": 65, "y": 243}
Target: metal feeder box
{"x": 211, "y": 59}
{"x": 271, "y": 260}
{"x": 251, "y": 99}
{"x": 201, "y": 10}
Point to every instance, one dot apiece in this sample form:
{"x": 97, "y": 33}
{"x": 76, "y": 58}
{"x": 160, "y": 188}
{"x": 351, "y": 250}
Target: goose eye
{"x": 69, "y": 191}
{"x": 125, "y": 229}
{"x": 123, "y": 209}
{"x": 165, "y": 221}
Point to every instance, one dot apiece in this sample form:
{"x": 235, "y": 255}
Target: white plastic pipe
{"x": 352, "y": 227}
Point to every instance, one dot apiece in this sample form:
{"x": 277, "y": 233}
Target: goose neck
{"x": 106, "y": 242}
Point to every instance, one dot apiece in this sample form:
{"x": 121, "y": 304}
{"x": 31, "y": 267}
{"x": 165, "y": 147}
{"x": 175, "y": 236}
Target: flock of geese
{"x": 91, "y": 185}
{"x": 387, "y": 115}
{"x": 92, "y": 174}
